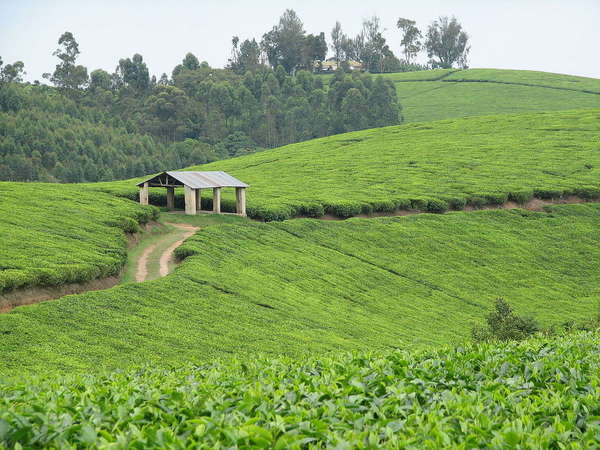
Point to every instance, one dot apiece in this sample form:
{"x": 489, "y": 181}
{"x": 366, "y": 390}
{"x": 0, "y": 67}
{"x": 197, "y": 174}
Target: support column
{"x": 144, "y": 194}
{"x": 240, "y": 201}
{"x": 198, "y": 199}
{"x": 217, "y": 200}
{"x": 170, "y": 198}
{"x": 190, "y": 201}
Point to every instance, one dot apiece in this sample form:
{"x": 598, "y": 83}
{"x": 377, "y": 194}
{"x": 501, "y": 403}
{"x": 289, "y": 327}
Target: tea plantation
{"x": 541, "y": 393}
{"x": 53, "y": 234}
{"x": 451, "y": 93}
{"x": 433, "y": 167}
{"x": 309, "y": 286}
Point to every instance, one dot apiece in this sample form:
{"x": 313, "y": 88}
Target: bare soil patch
{"x": 38, "y": 294}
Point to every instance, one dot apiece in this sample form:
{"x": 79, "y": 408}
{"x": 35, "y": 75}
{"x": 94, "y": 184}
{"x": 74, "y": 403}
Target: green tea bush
{"x": 419, "y": 204}
{"x": 344, "y": 209}
{"x": 387, "y": 206}
{"x": 520, "y": 197}
{"x": 495, "y": 198}
{"x": 476, "y": 201}
{"x": 548, "y": 194}
{"x": 588, "y": 192}
{"x": 311, "y": 209}
{"x": 539, "y": 393}
{"x": 437, "y": 206}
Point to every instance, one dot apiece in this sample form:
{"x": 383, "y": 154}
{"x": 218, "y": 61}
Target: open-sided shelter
{"x": 193, "y": 183}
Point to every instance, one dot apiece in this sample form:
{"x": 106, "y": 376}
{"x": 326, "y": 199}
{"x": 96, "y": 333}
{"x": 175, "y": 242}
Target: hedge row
{"x": 277, "y": 211}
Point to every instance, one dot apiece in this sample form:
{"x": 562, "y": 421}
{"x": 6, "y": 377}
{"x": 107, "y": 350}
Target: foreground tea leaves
{"x": 540, "y": 393}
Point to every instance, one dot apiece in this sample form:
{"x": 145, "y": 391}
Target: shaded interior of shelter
{"x": 202, "y": 191}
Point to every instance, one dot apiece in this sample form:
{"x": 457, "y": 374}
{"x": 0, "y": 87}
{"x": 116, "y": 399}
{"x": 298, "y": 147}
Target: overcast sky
{"x": 551, "y": 35}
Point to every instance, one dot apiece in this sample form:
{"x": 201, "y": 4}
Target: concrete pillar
{"x": 198, "y": 199}
{"x": 190, "y": 200}
{"x": 170, "y": 198}
{"x": 217, "y": 200}
{"x": 240, "y": 201}
{"x": 144, "y": 193}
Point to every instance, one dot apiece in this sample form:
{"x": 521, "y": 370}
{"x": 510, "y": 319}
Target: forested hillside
{"x": 109, "y": 126}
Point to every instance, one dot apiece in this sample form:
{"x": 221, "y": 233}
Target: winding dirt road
{"x": 164, "y": 255}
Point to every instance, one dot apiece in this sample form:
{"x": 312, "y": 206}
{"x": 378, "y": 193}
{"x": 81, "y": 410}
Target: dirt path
{"x": 167, "y": 255}
{"x": 164, "y": 256}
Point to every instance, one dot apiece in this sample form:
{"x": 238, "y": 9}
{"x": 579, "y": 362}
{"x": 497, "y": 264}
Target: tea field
{"x": 449, "y": 93}
{"x": 426, "y": 166}
{"x": 424, "y": 101}
{"x": 311, "y": 286}
{"x": 541, "y": 393}
{"x": 57, "y": 234}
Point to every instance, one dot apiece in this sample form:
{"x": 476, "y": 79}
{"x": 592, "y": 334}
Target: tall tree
{"x": 133, "y": 72}
{"x": 447, "y": 43}
{"x": 12, "y": 73}
{"x": 284, "y": 43}
{"x": 411, "y": 38}
{"x": 369, "y": 46}
{"x": 67, "y": 74}
{"x": 337, "y": 42}
{"x": 244, "y": 56}
{"x": 315, "y": 49}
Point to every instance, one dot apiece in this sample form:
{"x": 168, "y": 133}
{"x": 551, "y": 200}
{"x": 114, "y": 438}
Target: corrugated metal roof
{"x": 202, "y": 180}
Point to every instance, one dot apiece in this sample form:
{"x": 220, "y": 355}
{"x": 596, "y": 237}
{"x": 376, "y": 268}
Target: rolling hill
{"x": 450, "y": 93}
{"x": 245, "y": 343}
{"x": 432, "y": 166}
{"x": 310, "y": 286}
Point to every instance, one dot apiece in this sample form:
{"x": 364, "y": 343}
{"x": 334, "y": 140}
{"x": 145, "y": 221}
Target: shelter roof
{"x": 195, "y": 180}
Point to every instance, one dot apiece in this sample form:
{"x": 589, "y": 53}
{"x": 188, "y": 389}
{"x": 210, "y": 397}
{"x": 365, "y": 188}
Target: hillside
{"x": 57, "y": 234}
{"x": 313, "y": 286}
{"x": 446, "y": 94}
{"x": 433, "y": 166}
{"x": 48, "y": 136}
{"x": 535, "y": 394}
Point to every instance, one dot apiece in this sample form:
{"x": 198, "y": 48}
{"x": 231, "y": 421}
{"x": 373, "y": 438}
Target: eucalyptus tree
{"x": 447, "y": 43}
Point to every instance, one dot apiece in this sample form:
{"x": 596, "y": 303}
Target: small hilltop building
{"x": 193, "y": 183}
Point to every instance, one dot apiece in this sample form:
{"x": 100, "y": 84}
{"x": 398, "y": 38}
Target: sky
{"x": 549, "y": 35}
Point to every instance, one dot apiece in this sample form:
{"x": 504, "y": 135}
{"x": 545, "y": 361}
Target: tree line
{"x": 101, "y": 126}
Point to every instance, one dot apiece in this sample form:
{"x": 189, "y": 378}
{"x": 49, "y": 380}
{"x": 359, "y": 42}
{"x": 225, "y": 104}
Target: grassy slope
{"x": 55, "y": 234}
{"x": 311, "y": 286}
{"x": 446, "y": 94}
{"x": 541, "y": 393}
{"x": 437, "y": 100}
{"x": 528, "y": 77}
{"x": 483, "y": 159}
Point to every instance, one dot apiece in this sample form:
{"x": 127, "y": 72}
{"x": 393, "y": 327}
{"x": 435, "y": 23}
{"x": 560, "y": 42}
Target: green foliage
{"x": 123, "y": 126}
{"x": 540, "y": 393}
{"x": 447, "y": 44}
{"x": 311, "y": 286}
{"x": 53, "y": 235}
{"x": 504, "y": 325}
{"x": 427, "y": 167}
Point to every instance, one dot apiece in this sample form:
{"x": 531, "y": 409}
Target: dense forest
{"x": 103, "y": 126}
